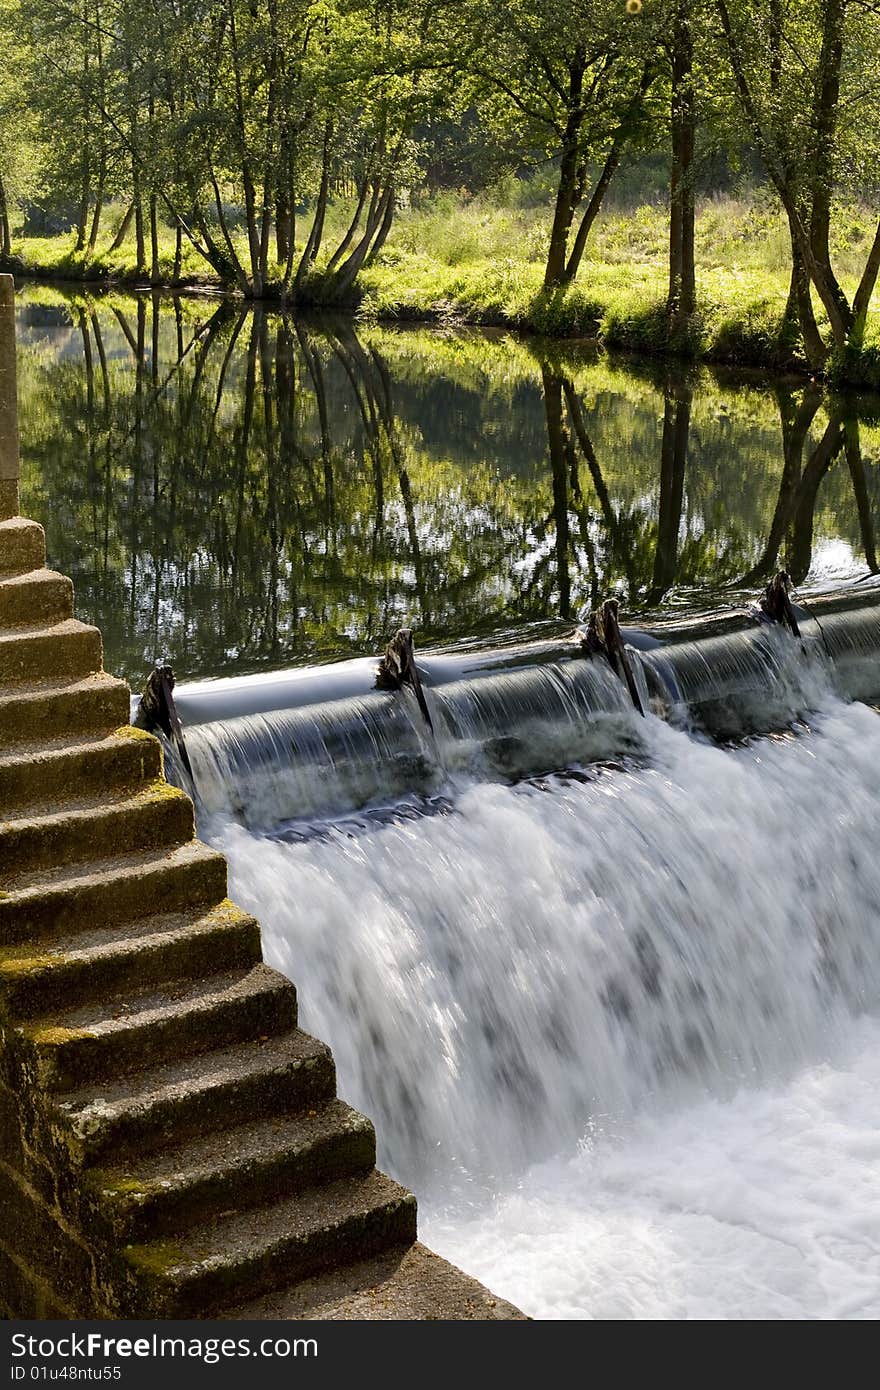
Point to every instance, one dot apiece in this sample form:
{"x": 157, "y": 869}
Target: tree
{"x": 565, "y": 82}
{"x": 802, "y": 75}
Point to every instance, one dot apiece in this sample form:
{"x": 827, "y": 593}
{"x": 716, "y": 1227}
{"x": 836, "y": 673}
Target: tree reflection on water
{"x": 240, "y": 489}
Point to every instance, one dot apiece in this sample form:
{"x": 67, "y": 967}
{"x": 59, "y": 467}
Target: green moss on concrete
{"x": 58, "y": 1037}
{"x": 12, "y": 966}
{"x": 159, "y": 1259}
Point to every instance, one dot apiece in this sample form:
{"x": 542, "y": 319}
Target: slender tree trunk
{"x": 799, "y": 312}
{"x": 96, "y": 215}
{"x": 863, "y": 294}
{"x": 384, "y": 229}
{"x": 83, "y": 214}
{"x": 283, "y": 228}
{"x": 348, "y": 273}
{"x": 352, "y": 226}
{"x": 567, "y": 187}
{"x": 178, "y": 254}
{"x": 155, "y": 273}
{"x": 824, "y": 126}
{"x": 102, "y": 133}
{"x": 621, "y": 135}
{"x": 316, "y": 235}
{"x": 5, "y": 238}
{"x": 681, "y": 302}
{"x": 122, "y": 230}
{"x": 140, "y": 242}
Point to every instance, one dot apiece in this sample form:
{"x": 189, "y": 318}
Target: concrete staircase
{"x": 174, "y": 1146}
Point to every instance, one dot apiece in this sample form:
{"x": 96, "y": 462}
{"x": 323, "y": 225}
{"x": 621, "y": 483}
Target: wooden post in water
{"x": 9, "y": 455}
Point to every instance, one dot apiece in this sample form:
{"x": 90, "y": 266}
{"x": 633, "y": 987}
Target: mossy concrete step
{"x": 46, "y": 710}
{"x": 69, "y": 649}
{"x": 235, "y": 1168}
{"x": 57, "y": 773}
{"x": 408, "y": 1283}
{"x": 158, "y": 816}
{"x": 119, "y": 889}
{"x": 173, "y": 1102}
{"x": 22, "y": 546}
{"x": 250, "y": 1252}
{"x": 65, "y": 970}
{"x": 39, "y": 596}
{"x": 178, "y": 1019}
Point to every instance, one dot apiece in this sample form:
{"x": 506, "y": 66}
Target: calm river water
{"x": 237, "y": 490}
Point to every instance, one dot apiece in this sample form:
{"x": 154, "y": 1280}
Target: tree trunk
{"x": 316, "y": 235}
{"x": 83, "y": 214}
{"x": 283, "y": 228}
{"x": 5, "y": 238}
{"x": 96, "y": 215}
{"x": 140, "y": 243}
{"x": 824, "y": 126}
{"x": 799, "y": 312}
{"x": 384, "y": 229}
{"x": 155, "y": 274}
{"x": 681, "y": 302}
{"x": 380, "y": 212}
{"x": 122, "y": 231}
{"x": 352, "y": 226}
{"x": 567, "y": 187}
{"x": 178, "y": 254}
{"x": 863, "y": 294}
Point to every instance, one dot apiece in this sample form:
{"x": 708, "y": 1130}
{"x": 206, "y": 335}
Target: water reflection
{"x": 239, "y": 489}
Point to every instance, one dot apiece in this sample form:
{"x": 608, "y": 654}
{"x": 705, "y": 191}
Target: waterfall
{"x": 628, "y": 953}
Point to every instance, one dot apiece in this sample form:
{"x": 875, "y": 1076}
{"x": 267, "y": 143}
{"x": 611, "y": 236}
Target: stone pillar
{"x": 9, "y": 457}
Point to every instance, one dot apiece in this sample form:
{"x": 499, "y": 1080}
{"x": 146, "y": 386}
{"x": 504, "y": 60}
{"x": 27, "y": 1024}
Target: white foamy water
{"x": 765, "y": 1206}
{"x": 613, "y": 1030}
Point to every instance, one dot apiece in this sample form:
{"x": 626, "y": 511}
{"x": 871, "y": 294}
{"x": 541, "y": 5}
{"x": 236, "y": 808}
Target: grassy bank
{"x": 480, "y": 260}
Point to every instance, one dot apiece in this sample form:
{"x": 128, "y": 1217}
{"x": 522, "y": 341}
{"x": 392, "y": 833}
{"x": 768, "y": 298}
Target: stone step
{"x": 173, "y": 1102}
{"x": 247, "y": 1253}
{"x": 67, "y": 970}
{"x": 38, "y": 596}
{"x": 22, "y": 546}
{"x": 158, "y": 816}
{"x": 121, "y": 889}
{"x": 69, "y": 649}
{"x": 56, "y": 773}
{"x": 178, "y": 1019}
{"x": 47, "y": 710}
{"x": 406, "y": 1283}
{"x": 235, "y": 1168}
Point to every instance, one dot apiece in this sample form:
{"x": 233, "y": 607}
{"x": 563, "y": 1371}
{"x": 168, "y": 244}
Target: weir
{"x": 305, "y": 744}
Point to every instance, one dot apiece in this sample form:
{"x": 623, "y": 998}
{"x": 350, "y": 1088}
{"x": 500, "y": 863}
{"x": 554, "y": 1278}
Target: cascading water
{"x": 615, "y": 1024}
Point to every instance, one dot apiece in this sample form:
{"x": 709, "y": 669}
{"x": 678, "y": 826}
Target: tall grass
{"x": 480, "y": 259}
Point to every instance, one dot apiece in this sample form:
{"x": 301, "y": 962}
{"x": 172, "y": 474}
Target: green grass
{"x": 453, "y": 258}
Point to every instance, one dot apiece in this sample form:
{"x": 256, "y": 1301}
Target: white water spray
{"x": 563, "y": 1002}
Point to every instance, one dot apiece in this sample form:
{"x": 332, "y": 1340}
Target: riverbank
{"x": 460, "y": 260}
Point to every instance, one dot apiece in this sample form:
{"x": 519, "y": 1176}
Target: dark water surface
{"x": 240, "y": 490}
